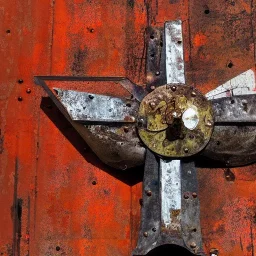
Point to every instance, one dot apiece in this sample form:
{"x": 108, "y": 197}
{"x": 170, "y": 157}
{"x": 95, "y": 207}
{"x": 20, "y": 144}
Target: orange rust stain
{"x": 199, "y": 40}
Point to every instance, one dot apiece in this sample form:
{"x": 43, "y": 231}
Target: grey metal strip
{"x": 84, "y": 107}
{"x": 175, "y": 67}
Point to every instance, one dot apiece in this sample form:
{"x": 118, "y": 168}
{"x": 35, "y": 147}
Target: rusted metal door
{"x": 56, "y": 197}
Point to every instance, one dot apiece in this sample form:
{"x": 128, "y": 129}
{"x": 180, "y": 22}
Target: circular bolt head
{"x": 193, "y": 94}
{"x": 28, "y": 90}
{"x": 193, "y": 245}
{"x": 173, "y": 88}
{"x": 152, "y": 104}
{"x": 194, "y": 194}
{"x": 149, "y": 193}
{"x": 186, "y": 150}
{"x": 186, "y": 196}
{"x": 145, "y": 234}
{"x": 20, "y": 98}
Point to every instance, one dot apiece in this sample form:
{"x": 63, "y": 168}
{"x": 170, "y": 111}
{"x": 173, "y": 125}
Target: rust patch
{"x": 78, "y": 63}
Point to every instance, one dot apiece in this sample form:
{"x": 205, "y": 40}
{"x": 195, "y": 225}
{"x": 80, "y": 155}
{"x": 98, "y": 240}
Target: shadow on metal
{"x": 167, "y": 250}
{"x": 129, "y": 177}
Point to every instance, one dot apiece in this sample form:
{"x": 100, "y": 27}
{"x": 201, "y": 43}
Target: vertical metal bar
{"x": 175, "y": 67}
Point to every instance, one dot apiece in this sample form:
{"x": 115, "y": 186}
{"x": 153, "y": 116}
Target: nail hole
{"x": 152, "y": 37}
{"x": 20, "y": 81}
{"x": 57, "y": 248}
{"x": 230, "y": 64}
{"x": 128, "y": 105}
{"x": 8, "y": 31}
{"x": 152, "y": 55}
{"x": 179, "y": 42}
{"x": 126, "y": 129}
{"x": 91, "y": 97}
{"x": 94, "y": 182}
{"x": 232, "y": 101}
{"x": 207, "y": 11}
{"x": 19, "y": 98}
{"x": 154, "y": 229}
{"x": 194, "y": 229}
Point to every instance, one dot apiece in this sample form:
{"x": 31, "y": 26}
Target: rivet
{"x": 149, "y": 193}
{"x": 91, "y": 30}
{"x": 91, "y": 97}
{"x": 20, "y": 81}
{"x": 145, "y": 234}
{"x": 194, "y": 194}
{"x": 152, "y": 104}
{"x": 173, "y": 88}
{"x": 186, "y": 196}
{"x": 28, "y": 90}
{"x": 57, "y": 248}
{"x": 186, "y": 150}
{"x": 157, "y": 73}
{"x": 94, "y": 182}
{"x": 193, "y": 245}
{"x": 209, "y": 123}
{"x": 193, "y": 94}
{"x": 126, "y": 129}
{"x": 20, "y": 98}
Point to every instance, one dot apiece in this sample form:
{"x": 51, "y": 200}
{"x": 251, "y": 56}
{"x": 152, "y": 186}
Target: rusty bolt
{"x": 152, "y": 104}
{"x": 214, "y": 252}
{"x": 149, "y": 193}
{"x": 194, "y": 194}
{"x": 186, "y": 196}
{"x": 94, "y": 182}
{"x": 28, "y": 90}
{"x": 186, "y": 150}
{"x": 193, "y": 245}
{"x": 193, "y": 94}
{"x": 20, "y": 98}
{"x": 173, "y": 88}
{"x": 209, "y": 123}
{"x": 145, "y": 234}
{"x": 126, "y": 129}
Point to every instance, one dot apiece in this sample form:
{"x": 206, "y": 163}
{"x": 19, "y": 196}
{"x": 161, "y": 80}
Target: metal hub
{"x": 175, "y": 121}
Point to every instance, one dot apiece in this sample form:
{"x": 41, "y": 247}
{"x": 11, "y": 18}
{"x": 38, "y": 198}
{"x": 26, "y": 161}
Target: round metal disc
{"x": 175, "y": 121}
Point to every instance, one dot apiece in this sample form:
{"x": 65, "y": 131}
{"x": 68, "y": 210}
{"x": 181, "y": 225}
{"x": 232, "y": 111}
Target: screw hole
{"x": 152, "y": 37}
{"x": 8, "y": 31}
{"x": 194, "y": 230}
{"x": 152, "y": 55}
{"x": 230, "y": 64}
{"x": 179, "y": 42}
{"x": 94, "y": 182}
{"x": 57, "y": 248}
{"x": 91, "y": 97}
{"x": 232, "y": 101}
{"x": 207, "y": 11}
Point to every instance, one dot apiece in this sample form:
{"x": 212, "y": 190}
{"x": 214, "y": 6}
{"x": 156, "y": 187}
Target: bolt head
{"x": 194, "y": 194}
{"x": 173, "y": 88}
{"x": 193, "y": 245}
{"x": 20, "y": 98}
{"x": 157, "y": 73}
{"x": 145, "y": 234}
{"x": 186, "y": 150}
{"x": 149, "y": 193}
{"x": 193, "y": 94}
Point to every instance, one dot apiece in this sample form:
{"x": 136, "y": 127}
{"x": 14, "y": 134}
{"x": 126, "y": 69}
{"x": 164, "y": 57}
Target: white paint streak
{"x": 242, "y": 84}
{"x": 175, "y": 70}
{"x": 170, "y": 188}
{"x": 190, "y": 118}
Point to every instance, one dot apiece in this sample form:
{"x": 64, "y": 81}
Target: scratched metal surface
{"x": 56, "y": 197}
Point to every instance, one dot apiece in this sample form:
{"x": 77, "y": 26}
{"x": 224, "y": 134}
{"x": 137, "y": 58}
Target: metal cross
{"x": 175, "y": 122}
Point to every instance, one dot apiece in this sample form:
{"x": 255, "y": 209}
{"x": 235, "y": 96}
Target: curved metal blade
{"x": 170, "y": 212}
{"x": 242, "y": 84}
{"x": 89, "y": 107}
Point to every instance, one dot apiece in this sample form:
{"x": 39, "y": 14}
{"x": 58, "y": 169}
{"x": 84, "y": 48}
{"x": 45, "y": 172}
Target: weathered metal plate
{"x": 86, "y": 107}
{"x": 175, "y": 121}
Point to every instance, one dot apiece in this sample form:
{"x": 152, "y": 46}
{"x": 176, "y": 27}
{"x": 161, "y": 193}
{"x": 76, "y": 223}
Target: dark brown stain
{"x": 130, "y": 3}
{"x": 174, "y": 1}
{"x": 16, "y": 212}
{"x": 78, "y": 62}
{"x": 229, "y": 175}
{"x": 1, "y": 143}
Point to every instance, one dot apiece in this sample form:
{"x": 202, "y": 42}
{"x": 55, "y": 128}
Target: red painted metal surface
{"x": 56, "y": 197}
